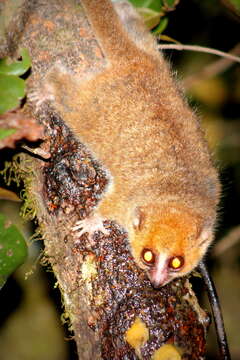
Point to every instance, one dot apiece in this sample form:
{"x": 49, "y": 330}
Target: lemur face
{"x": 169, "y": 243}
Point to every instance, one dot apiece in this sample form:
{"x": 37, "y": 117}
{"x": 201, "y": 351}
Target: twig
{"x": 217, "y": 313}
{"x": 199, "y": 49}
{"x": 213, "y": 68}
{"x": 41, "y": 153}
{"x": 227, "y": 241}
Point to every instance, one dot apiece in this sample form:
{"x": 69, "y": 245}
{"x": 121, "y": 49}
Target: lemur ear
{"x": 138, "y": 218}
{"x": 205, "y": 236}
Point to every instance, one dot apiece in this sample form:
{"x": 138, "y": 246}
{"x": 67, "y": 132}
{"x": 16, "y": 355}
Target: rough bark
{"x": 103, "y": 291}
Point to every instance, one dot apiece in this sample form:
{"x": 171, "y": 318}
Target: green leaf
{"x": 170, "y": 4}
{"x": 13, "y": 249}
{"x": 155, "y": 5}
{"x": 235, "y": 4}
{"x": 6, "y": 132}
{"x": 161, "y": 27}
{"x": 12, "y": 90}
{"x": 151, "y": 18}
{"x": 16, "y": 68}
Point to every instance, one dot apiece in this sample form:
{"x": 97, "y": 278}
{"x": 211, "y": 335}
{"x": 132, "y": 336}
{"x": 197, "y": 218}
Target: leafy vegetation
{"x": 13, "y": 249}
{"x": 12, "y": 87}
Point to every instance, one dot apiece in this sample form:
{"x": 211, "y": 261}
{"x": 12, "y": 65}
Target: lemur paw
{"x": 90, "y": 225}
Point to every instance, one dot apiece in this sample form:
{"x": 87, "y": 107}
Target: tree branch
{"x": 211, "y": 69}
{"x": 199, "y": 49}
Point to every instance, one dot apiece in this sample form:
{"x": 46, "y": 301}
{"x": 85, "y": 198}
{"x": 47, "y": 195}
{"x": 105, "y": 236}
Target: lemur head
{"x": 168, "y": 241}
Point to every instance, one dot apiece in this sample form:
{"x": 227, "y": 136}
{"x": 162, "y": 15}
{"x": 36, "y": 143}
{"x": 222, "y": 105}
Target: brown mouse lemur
{"x": 164, "y": 189}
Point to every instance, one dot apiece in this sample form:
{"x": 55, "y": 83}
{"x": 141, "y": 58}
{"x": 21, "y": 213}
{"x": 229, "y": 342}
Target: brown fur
{"x": 133, "y": 119}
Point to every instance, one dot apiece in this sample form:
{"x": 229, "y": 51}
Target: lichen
{"x": 137, "y": 335}
{"x": 167, "y": 352}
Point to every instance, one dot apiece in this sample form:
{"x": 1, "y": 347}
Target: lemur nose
{"x": 157, "y": 278}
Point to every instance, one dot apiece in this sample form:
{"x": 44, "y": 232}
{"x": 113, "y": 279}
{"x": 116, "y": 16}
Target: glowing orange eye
{"x": 176, "y": 263}
{"x": 148, "y": 256}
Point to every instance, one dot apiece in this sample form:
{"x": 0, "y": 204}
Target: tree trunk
{"x": 113, "y": 310}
